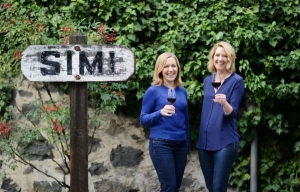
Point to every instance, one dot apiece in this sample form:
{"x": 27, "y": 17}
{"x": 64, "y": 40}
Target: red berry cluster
{"x": 105, "y": 37}
{"x": 6, "y": 5}
{"x": 18, "y": 55}
{"x": 111, "y": 37}
{"x": 40, "y": 27}
{"x": 57, "y": 126}
{"x": 66, "y": 33}
{"x": 5, "y": 128}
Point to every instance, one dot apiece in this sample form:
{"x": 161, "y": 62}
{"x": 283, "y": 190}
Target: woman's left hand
{"x": 220, "y": 98}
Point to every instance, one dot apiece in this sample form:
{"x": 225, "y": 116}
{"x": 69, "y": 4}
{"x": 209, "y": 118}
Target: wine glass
{"x": 171, "y": 96}
{"x": 216, "y": 84}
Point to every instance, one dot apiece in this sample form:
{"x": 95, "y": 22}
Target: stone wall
{"x": 119, "y": 160}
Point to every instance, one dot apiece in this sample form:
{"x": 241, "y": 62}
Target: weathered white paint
{"x": 123, "y": 58}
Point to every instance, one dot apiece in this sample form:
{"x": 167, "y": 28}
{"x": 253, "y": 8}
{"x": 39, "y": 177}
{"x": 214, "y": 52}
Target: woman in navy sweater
{"x": 169, "y": 127}
{"x": 218, "y": 141}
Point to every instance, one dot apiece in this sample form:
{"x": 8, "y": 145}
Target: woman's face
{"x": 220, "y": 59}
{"x": 170, "y": 70}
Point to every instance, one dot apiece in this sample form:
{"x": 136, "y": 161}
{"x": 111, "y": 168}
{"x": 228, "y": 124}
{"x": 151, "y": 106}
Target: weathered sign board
{"x": 86, "y": 63}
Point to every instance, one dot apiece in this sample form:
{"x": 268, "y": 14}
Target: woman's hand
{"x": 220, "y": 98}
{"x": 168, "y": 110}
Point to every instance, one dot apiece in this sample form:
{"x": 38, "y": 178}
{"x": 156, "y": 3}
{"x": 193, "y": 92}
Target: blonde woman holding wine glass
{"x": 218, "y": 140}
{"x": 169, "y": 140}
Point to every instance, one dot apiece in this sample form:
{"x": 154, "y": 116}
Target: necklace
{"x": 217, "y": 80}
{"x": 224, "y": 76}
{"x": 169, "y": 86}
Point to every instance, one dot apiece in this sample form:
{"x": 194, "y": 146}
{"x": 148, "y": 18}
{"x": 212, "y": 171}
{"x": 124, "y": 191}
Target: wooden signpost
{"x": 78, "y": 63}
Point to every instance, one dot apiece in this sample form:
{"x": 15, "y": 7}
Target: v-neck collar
{"x": 216, "y": 90}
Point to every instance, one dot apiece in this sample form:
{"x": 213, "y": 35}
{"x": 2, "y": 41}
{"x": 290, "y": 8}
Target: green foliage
{"x": 5, "y": 101}
{"x": 266, "y": 37}
{"x": 106, "y": 95}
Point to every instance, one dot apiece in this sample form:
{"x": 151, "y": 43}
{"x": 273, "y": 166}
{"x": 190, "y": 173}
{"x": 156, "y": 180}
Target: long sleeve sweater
{"x": 175, "y": 127}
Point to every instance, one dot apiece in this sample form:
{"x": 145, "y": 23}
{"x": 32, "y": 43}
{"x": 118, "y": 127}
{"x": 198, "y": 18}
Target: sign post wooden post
{"x": 78, "y": 63}
{"x": 79, "y": 130}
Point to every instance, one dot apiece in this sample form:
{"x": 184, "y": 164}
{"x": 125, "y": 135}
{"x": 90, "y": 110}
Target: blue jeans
{"x": 169, "y": 160}
{"x": 216, "y": 166}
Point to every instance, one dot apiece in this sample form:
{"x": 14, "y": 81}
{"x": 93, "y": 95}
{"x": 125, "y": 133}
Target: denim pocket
{"x": 157, "y": 140}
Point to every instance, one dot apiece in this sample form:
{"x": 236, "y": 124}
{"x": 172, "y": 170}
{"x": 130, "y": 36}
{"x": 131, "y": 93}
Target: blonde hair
{"x": 159, "y": 66}
{"x": 229, "y": 50}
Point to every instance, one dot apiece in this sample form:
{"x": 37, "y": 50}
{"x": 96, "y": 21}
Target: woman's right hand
{"x": 168, "y": 110}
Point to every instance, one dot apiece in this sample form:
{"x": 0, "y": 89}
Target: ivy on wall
{"x": 266, "y": 37}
